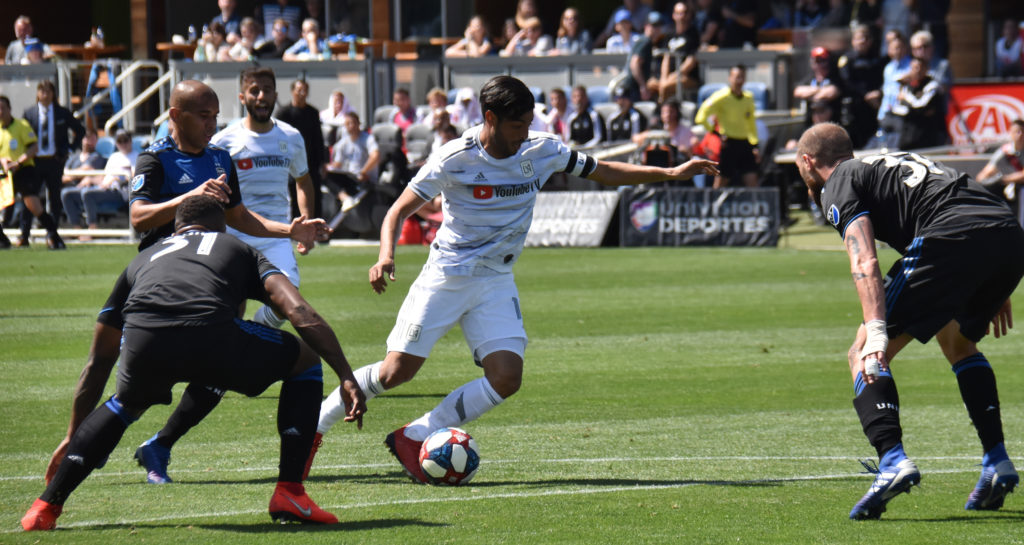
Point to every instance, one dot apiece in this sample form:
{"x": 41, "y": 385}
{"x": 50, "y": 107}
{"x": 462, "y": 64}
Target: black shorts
{"x": 963, "y": 277}
{"x": 737, "y": 158}
{"x": 240, "y": 355}
{"x": 27, "y": 181}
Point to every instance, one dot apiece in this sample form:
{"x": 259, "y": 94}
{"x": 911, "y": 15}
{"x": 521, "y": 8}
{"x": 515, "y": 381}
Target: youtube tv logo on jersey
{"x": 483, "y": 192}
{"x": 244, "y": 164}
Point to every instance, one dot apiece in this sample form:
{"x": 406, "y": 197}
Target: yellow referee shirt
{"x": 15, "y": 139}
{"x": 734, "y": 115}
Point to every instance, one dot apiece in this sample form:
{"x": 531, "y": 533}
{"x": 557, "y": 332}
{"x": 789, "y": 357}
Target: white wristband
{"x": 877, "y": 339}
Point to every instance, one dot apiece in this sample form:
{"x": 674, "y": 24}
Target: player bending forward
{"x": 489, "y": 180}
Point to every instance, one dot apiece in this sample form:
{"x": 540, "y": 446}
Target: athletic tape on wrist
{"x": 877, "y": 339}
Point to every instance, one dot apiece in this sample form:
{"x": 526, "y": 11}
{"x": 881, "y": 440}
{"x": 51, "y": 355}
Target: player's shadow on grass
{"x": 400, "y": 476}
{"x": 1002, "y": 516}
{"x": 271, "y": 527}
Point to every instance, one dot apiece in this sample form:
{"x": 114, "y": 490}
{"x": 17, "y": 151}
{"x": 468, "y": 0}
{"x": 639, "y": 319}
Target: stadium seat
{"x": 453, "y": 93}
{"x": 607, "y": 110}
{"x": 538, "y": 94}
{"x": 598, "y": 94}
{"x": 418, "y": 140}
{"x": 649, "y": 109}
{"x": 422, "y": 111}
{"x": 689, "y": 111}
{"x": 106, "y": 147}
{"x": 384, "y": 114}
{"x": 140, "y": 143}
{"x": 388, "y": 137}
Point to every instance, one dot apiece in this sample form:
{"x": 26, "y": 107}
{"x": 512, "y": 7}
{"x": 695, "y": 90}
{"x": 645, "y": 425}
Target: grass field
{"x": 670, "y": 396}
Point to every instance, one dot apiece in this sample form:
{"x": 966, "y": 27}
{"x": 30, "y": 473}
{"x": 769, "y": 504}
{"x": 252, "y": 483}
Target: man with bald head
{"x": 962, "y": 257}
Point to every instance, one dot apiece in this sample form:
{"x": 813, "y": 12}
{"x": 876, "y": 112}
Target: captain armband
{"x": 580, "y": 164}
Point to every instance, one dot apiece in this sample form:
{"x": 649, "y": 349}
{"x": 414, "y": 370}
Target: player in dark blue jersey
{"x": 179, "y": 301}
{"x": 963, "y": 256}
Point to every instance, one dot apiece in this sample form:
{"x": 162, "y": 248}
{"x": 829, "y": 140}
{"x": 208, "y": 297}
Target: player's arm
{"x": 287, "y": 301}
{"x": 704, "y": 113}
{"x": 859, "y": 239}
{"x": 406, "y": 205}
{"x": 305, "y": 195}
{"x": 614, "y": 173}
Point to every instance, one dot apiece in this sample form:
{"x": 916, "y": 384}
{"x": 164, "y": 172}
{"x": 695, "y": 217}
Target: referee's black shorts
{"x": 965, "y": 277}
{"x": 240, "y": 355}
{"x": 737, "y": 158}
{"x": 27, "y": 181}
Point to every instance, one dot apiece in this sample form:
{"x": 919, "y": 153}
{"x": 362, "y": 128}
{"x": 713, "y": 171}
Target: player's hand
{"x": 380, "y": 273}
{"x": 56, "y": 458}
{"x": 883, "y": 365}
{"x": 355, "y": 401}
{"x": 307, "y": 231}
{"x": 217, "y": 188}
{"x": 1002, "y": 321}
{"x": 694, "y": 167}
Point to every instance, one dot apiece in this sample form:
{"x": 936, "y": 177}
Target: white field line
{"x": 478, "y": 497}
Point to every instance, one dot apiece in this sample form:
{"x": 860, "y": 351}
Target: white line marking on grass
{"x": 478, "y": 497}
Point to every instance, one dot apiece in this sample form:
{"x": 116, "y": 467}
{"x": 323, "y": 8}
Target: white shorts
{"x": 486, "y": 307}
{"x": 279, "y": 252}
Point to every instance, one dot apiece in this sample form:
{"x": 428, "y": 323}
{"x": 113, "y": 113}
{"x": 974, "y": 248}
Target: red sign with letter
{"x": 982, "y": 113}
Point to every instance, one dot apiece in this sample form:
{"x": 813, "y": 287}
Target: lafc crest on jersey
{"x": 527, "y": 167}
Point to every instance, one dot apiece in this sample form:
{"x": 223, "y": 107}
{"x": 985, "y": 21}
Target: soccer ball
{"x": 449, "y": 457}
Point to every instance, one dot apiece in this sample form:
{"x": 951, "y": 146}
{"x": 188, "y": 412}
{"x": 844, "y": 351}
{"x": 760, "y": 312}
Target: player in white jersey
{"x": 266, "y": 152}
{"x": 489, "y": 180}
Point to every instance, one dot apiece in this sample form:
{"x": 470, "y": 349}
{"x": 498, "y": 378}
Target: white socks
{"x": 268, "y": 317}
{"x": 465, "y": 404}
{"x": 332, "y": 409}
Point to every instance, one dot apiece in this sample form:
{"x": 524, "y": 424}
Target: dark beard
{"x": 259, "y": 119}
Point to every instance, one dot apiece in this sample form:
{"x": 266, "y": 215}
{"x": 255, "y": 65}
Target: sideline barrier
{"x": 673, "y": 216}
{"x": 571, "y": 218}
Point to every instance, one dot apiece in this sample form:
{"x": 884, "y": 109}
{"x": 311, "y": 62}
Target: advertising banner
{"x": 670, "y": 216}
{"x": 982, "y": 112}
{"x": 571, "y": 218}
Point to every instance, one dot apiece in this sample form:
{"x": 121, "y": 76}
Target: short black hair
{"x": 507, "y": 97}
{"x": 255, "y": 72}
{"x": 200, "y": 210}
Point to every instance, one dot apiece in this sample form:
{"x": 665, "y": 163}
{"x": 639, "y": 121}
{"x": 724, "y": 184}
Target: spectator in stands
{"x": 1008, "y": 51}
{"x": 640, "y": 80}
{"x": 71, "y": 195}
{"x": 628, "y": 122}
{"x": 681, "y": 50}
{"x": 95, "y": 193}
{"x": 525, "y": 10}
{"x": 624, "y": 38}
{"x": 739, "y": 24}
{"x": 406, "y": 114}
{"x": 860, "y": 71}
{"x": 244, "y": 48}
{"x": 529, "y": 41}
{"x": 278, "y": 43}
{"x": 557, "y": 118}
{"x": 283, "y": 9}
{"x": 895, "y": 16}
{"x": 508, "y": 29}
{"x": 33, "y": 51}
{"x": 708, "y": 20}
{"x": 213, "y": 45}
{"x": 731, "y": 109}
{"x": 572, "y": 38}
{"x": 638, "y": 12}
{"x": 437, "y": 100}
{"x": 230, "y": 19}
{"x": 922, "y": 45}
{"x": 465, "y": 113}
{"x": 670, "y": 119}
{"x": 16, "y": 49}
{"x": 333, "y": 116}
{"x": 441, "y": 121}
{"x": 586, "y": 127}
{"x": 310, "y": 47}
{"x": 51, "y": 122}
{"x": 898, "y": 65}
{"x": 306, "y": 119}
{"x": 474, "y": 43}
{"x": 1006, "y": 167}
{"x": 354, "y": 161}
{"x": 922, "y": 105}
{"x": 822, "y": 86}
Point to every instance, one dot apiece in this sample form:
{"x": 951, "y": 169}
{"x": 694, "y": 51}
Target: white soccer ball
{"x": 449, "y": 457}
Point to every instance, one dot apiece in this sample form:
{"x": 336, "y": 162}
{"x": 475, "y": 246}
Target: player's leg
{"x": 91, "y": 444}
{"x": 280, "y": 253}
{"x": 35, "y": 206}
{"x": 154, "y": 454}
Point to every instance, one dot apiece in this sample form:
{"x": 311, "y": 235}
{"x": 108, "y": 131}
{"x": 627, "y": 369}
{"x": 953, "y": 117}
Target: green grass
{"x": 670, "y": 396}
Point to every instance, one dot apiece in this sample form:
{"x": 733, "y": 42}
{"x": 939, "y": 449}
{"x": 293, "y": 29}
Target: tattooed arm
{"x": 867, "y": 277}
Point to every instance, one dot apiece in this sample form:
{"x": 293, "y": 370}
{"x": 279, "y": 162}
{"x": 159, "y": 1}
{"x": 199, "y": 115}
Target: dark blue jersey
{"x": 163, "y": 172}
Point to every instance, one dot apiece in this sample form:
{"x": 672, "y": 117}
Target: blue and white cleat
{"x": 890, "y": 482}
{"x": 995, "y": 483}
{"x": 154, "y": 457}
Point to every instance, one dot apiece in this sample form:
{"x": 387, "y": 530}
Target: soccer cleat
{"x": 291, "y": 504}
{"x": 890, "y": 482}
{"x": 407, "y": 452}
{"x": 154, "y": 457}
{"x": 54, "y": 242}
{"x": 318, "y": 440}
{"x": 41, "y": 516}
{"x": 995, "y": 483}
{"x": 5, "y": 243}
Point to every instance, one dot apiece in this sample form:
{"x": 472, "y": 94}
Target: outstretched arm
{"x": 614, "y": 173}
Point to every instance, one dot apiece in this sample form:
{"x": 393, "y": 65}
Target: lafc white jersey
{"x": 263, "y": 162}
{"x": 488, "y": 202}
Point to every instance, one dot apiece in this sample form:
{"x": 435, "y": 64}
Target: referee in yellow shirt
{"x": 17, "y": 148}
{"x": 733, "y": 112}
